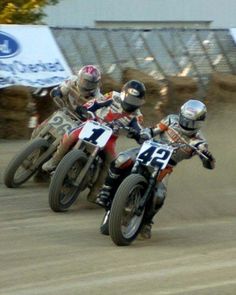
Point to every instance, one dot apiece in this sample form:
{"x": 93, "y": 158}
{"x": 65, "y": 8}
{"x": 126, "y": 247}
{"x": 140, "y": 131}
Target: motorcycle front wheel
{"x": 125, "y": 217}
{"x": 19, "y": 169}
{"x": 62, "y": 191}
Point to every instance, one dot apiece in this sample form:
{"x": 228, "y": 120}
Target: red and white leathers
{"x": 108, "y": 109}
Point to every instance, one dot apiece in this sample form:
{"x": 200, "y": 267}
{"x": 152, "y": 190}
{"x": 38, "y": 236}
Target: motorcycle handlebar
{"x": 177, "y": 145}
{"x": 62, "y": 105}
{"x": 191, "y": 146}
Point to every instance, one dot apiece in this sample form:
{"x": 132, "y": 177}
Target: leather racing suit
{"x": 169, "y": 131}
{"x": 107, "y": 109}
{"x": 70, "y": 95}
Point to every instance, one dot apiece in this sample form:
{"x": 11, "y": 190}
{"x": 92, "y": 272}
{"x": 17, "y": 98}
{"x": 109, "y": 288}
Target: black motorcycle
{"x": 136, "y": 191}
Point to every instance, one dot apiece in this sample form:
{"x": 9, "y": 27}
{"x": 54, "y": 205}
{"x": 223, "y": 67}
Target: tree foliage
{"x": 23, "y": 11}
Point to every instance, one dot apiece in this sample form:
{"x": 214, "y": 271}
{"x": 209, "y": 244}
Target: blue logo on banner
{"x": 8, "y": 45}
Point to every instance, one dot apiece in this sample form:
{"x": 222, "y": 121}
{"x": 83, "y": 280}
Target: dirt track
{"x": 193, "y": 249}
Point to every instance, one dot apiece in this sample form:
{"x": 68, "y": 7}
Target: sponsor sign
{"x": 30, "y": 56}
{"x": 233, "y": 34}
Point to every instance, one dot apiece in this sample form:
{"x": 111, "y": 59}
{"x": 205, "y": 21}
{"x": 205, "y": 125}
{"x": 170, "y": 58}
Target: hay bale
{"x": 45, "y": 107}
{"x": 14, "y": 98}
{"x": 179, "y": 89}
{"x": 108, "y": 84}
{"x": 14, "y": 116}
{"x": 221, "y": 88}
{"x": 153, "y": 94}
{"x": 15, "y": 129}
{"x": 14, "y": 124}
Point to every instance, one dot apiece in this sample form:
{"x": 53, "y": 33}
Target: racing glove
{"x": 82, "y": 113}
{"x": 56, "y": 92}
{"x": 133, "y": 133}
{"x": 115, "y": 127}
{"x": 208, "y": 163}
{"x": 145, "y": 134}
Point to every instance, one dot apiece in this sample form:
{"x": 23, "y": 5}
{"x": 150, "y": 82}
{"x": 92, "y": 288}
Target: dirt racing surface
{"x": 192, "y": 251}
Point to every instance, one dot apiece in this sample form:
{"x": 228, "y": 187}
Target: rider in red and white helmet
{"x": 81, "y": 87}
{"x": 88, "y": 80}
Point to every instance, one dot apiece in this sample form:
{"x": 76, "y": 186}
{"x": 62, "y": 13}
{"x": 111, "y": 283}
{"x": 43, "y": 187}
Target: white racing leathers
{"x": 167, "y": 130}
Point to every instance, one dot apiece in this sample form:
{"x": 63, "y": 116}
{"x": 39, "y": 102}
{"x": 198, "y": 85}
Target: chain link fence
{"x": 158, "y": 52}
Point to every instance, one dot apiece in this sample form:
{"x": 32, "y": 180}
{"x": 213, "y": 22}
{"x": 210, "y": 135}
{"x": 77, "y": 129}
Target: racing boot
{"x": 94, "y": 190}
{"x": 112, "y": 181}
{"x": 145, "y": 231}
{"x": 51, "y": 164}
{"x": 152, "y": 209}
{"x": 104, "y": 197}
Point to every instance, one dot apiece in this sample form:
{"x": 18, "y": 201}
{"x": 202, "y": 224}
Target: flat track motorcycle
{"x": 30, "y": 159}
{"x": 80, "y": 167}
{"x": 135, "y": 192}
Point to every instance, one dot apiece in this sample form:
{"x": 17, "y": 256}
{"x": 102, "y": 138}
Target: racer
{"x": 180, "y": 128}
{"x": 120, "y": 109}
{"x": 77, "y": 90}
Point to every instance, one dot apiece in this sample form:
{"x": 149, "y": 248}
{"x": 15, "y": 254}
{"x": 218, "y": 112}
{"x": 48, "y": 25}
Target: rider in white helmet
{"x": 180, "y": 128}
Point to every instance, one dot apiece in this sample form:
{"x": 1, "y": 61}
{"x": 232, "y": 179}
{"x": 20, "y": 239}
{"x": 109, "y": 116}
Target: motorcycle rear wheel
{"x": 124, "y": 222}
{"x": 62, "y": 192}
{"x": 19, "y": 168}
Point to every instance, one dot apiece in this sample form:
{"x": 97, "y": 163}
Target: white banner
{"x": 30, "y": 56}
{"x": 233, "y": 34}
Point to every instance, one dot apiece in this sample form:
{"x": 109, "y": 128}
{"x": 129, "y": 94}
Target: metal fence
{"x": 158, "y": 52}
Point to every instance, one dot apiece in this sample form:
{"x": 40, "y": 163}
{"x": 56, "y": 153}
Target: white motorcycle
{"x": 30, "y": 159}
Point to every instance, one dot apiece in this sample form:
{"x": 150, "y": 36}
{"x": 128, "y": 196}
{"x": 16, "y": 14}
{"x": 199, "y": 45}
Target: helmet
{"x": 192, "y": 115}
{"x": 132, "y": 95}
{"x": 89, "y": 78}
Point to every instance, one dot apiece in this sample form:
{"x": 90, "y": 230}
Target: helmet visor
{"x": 129, "y": 108}
{"x": 189, "y": 124}
{"x": 89, "y": 85}
{"x": 88, "y": 88}
{"x": 131, "y": 99}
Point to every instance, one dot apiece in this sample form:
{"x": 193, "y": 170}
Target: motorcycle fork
{"x": 52, "y": 148}
{"x": 148, "y": 193}
{"x": 84, "y": 171}
{"x": 44, "y": 131}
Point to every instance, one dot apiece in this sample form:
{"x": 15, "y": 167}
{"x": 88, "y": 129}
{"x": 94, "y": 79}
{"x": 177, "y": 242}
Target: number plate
{"x": 62, "y": 122}
{"x": 155, "y": 154}
{"x": 95, "y": 133}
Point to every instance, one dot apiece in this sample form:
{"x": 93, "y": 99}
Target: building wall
{"x": 142, "y": 14}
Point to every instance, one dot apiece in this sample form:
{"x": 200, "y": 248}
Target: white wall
{"x": 85, "y": 13}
